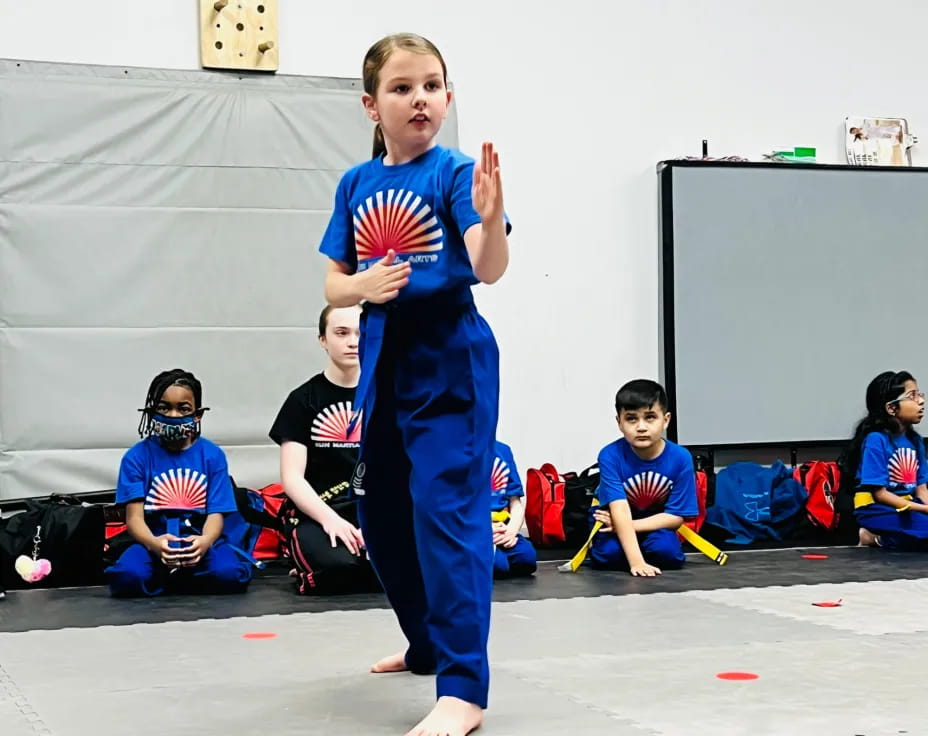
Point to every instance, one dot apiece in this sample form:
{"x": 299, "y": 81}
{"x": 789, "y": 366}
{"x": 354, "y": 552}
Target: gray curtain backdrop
{"x": 153, "y": 219}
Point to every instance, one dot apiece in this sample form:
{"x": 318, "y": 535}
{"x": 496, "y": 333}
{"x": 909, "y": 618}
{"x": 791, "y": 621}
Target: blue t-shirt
{"x": 665, "y": 484}
{"x": 894, "y": 463}
{"x": 504, "y": 481}
{"x": 420, "y": 209}
{"x": 188, "y": 484}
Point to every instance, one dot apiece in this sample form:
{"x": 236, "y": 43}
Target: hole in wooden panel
{"x": 218, "y": 44}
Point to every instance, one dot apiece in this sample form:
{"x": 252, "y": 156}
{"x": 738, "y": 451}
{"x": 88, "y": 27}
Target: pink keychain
{"x": 35, "y": 568}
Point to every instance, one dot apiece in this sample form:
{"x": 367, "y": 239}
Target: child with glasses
{"x": 888, "y": 457}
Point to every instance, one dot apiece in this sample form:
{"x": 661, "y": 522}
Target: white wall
{"x": 555, "y": 86}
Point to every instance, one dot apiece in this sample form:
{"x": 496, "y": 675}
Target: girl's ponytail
{"x": 380, "y": 146}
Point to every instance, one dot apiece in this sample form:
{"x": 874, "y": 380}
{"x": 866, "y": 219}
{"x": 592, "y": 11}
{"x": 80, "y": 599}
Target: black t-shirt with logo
{"x": 317, "y": 415}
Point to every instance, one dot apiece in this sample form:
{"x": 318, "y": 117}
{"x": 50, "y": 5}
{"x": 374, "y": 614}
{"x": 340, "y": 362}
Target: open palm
{"x": 487, "y": 191}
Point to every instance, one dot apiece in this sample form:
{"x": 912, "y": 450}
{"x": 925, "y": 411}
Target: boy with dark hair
{"x": 647, "y": 487}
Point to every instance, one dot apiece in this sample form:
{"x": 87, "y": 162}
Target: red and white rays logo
{"x": 903, "y": 466}
{"x": 645, "y": 490}
{"x": 177, "y": 488}
{"x": 331, "y": 424}
{"x": 395, "y": 220}
{"x": 499, "y": 478}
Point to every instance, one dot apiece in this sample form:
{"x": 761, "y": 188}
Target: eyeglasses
{"x": 911, "y": 395}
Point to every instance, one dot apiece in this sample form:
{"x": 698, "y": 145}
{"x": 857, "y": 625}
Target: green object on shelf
{"x": 797, "y": 155}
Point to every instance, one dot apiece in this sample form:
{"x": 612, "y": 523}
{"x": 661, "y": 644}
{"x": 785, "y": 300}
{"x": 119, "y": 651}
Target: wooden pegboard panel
{"x": 239, "y": 34}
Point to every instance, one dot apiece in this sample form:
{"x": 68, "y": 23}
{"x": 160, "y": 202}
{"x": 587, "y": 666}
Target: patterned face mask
{"x": 175, "y": 429}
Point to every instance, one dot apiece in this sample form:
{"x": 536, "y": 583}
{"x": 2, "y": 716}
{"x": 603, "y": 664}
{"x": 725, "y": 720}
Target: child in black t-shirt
{"x": 317, "y": 458}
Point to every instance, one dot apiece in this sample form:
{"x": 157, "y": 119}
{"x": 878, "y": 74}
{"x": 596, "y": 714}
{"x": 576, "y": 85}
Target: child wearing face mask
{"x": 176, "y": 488}
{"x": 887, "y": 459}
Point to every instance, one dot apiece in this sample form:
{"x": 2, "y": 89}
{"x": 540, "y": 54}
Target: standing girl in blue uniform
{"x": 411, "y": 232}
{"x": 888, "y": 457}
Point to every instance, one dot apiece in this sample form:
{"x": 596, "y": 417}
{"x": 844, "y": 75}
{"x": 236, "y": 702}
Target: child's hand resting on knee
{"x": 339, "y": 528}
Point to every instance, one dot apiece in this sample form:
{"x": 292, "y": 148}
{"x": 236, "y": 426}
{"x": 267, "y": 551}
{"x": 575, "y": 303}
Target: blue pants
{"x": 660, "y": 548}
{"x": 899, "y": 531}
{"x": 518, "y": 561}
{"x": 138, "y": 572}
{"x": 424, "y": 500}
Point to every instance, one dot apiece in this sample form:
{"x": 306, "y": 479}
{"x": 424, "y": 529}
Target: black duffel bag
{"x": 61, "y": 529}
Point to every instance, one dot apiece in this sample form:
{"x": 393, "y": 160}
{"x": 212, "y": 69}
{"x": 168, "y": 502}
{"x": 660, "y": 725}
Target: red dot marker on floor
{"x": 259, "y": 635}
{"x": 828, "y": 604}
{"x": 737, "y": 676}
{"x": 815, "y": 557}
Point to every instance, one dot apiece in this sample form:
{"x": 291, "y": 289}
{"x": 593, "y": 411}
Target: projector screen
{"x": 784, "y": 290}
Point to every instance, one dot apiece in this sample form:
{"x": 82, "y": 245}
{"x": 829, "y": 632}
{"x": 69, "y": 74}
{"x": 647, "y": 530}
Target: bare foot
{"x": 393, "y": 663}
{"x": 867, "y": 539}
{"x": 450, "y": 717}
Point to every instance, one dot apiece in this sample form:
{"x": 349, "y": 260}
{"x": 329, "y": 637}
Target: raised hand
{"x": 382, "y": 281}
{"x": 487, "y": 190}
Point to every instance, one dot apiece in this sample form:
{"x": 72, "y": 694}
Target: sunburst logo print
{"x": 645, "y": 490}
{"x": 395, "y": 220}
{"x": 499, "y": 479}
{"x": 177, "y": 488}
{"x": 331, "y": 424}
{"x": 903, "y": 466}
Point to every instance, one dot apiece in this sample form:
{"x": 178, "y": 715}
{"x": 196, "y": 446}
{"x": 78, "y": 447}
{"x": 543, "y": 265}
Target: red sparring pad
{"x": 828, "y": 604}
{"x": 737, "y": 676}
{"x": 259, "y": 635}
{"x": 815, "y": 557}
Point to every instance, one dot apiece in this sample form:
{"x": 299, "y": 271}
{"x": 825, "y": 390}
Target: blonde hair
{"x": 378, "y": 54}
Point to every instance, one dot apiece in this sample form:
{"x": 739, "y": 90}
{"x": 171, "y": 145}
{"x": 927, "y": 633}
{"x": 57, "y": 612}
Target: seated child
{"x": 647, "y": 487}
{"x": 514, "y": 555}
{"x": 176, "y": 488}
{"x": 317, "y": 458}
{"x": 888, "y": 457}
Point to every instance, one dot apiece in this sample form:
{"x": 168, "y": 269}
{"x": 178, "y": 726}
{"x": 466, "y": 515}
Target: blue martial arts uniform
{"x": 666, "y": 484}
{"x": 520, "y": 559}
{"x": 428, "y": 395}
{"x": 896, "y": 463}
{"x": 179, "y": 490}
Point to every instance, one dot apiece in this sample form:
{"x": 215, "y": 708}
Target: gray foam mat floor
{"x": 638, "y": 664}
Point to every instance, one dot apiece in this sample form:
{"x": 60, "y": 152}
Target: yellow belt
{"x": 703, "y": 545}
{"x": 502, "y": 516}
{"x": 864, "y": 498}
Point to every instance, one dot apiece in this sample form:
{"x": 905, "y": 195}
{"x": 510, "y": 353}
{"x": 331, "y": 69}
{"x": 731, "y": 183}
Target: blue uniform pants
{"x": 900, "y": 531}
{"x": 661, "y": 548}
{"x": 520, "y": 560}
{"x": 424, "y": 500}
{"x": 138, "y": 572}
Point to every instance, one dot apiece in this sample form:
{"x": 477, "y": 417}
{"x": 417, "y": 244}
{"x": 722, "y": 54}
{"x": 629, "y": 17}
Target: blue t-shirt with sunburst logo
{"x": 504, "y": 480}
{"x": 665, "y": 484}
{"x": 419, "y": 209}
{"x": 894, "y": 463}
{"x": 189, "y": 484}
